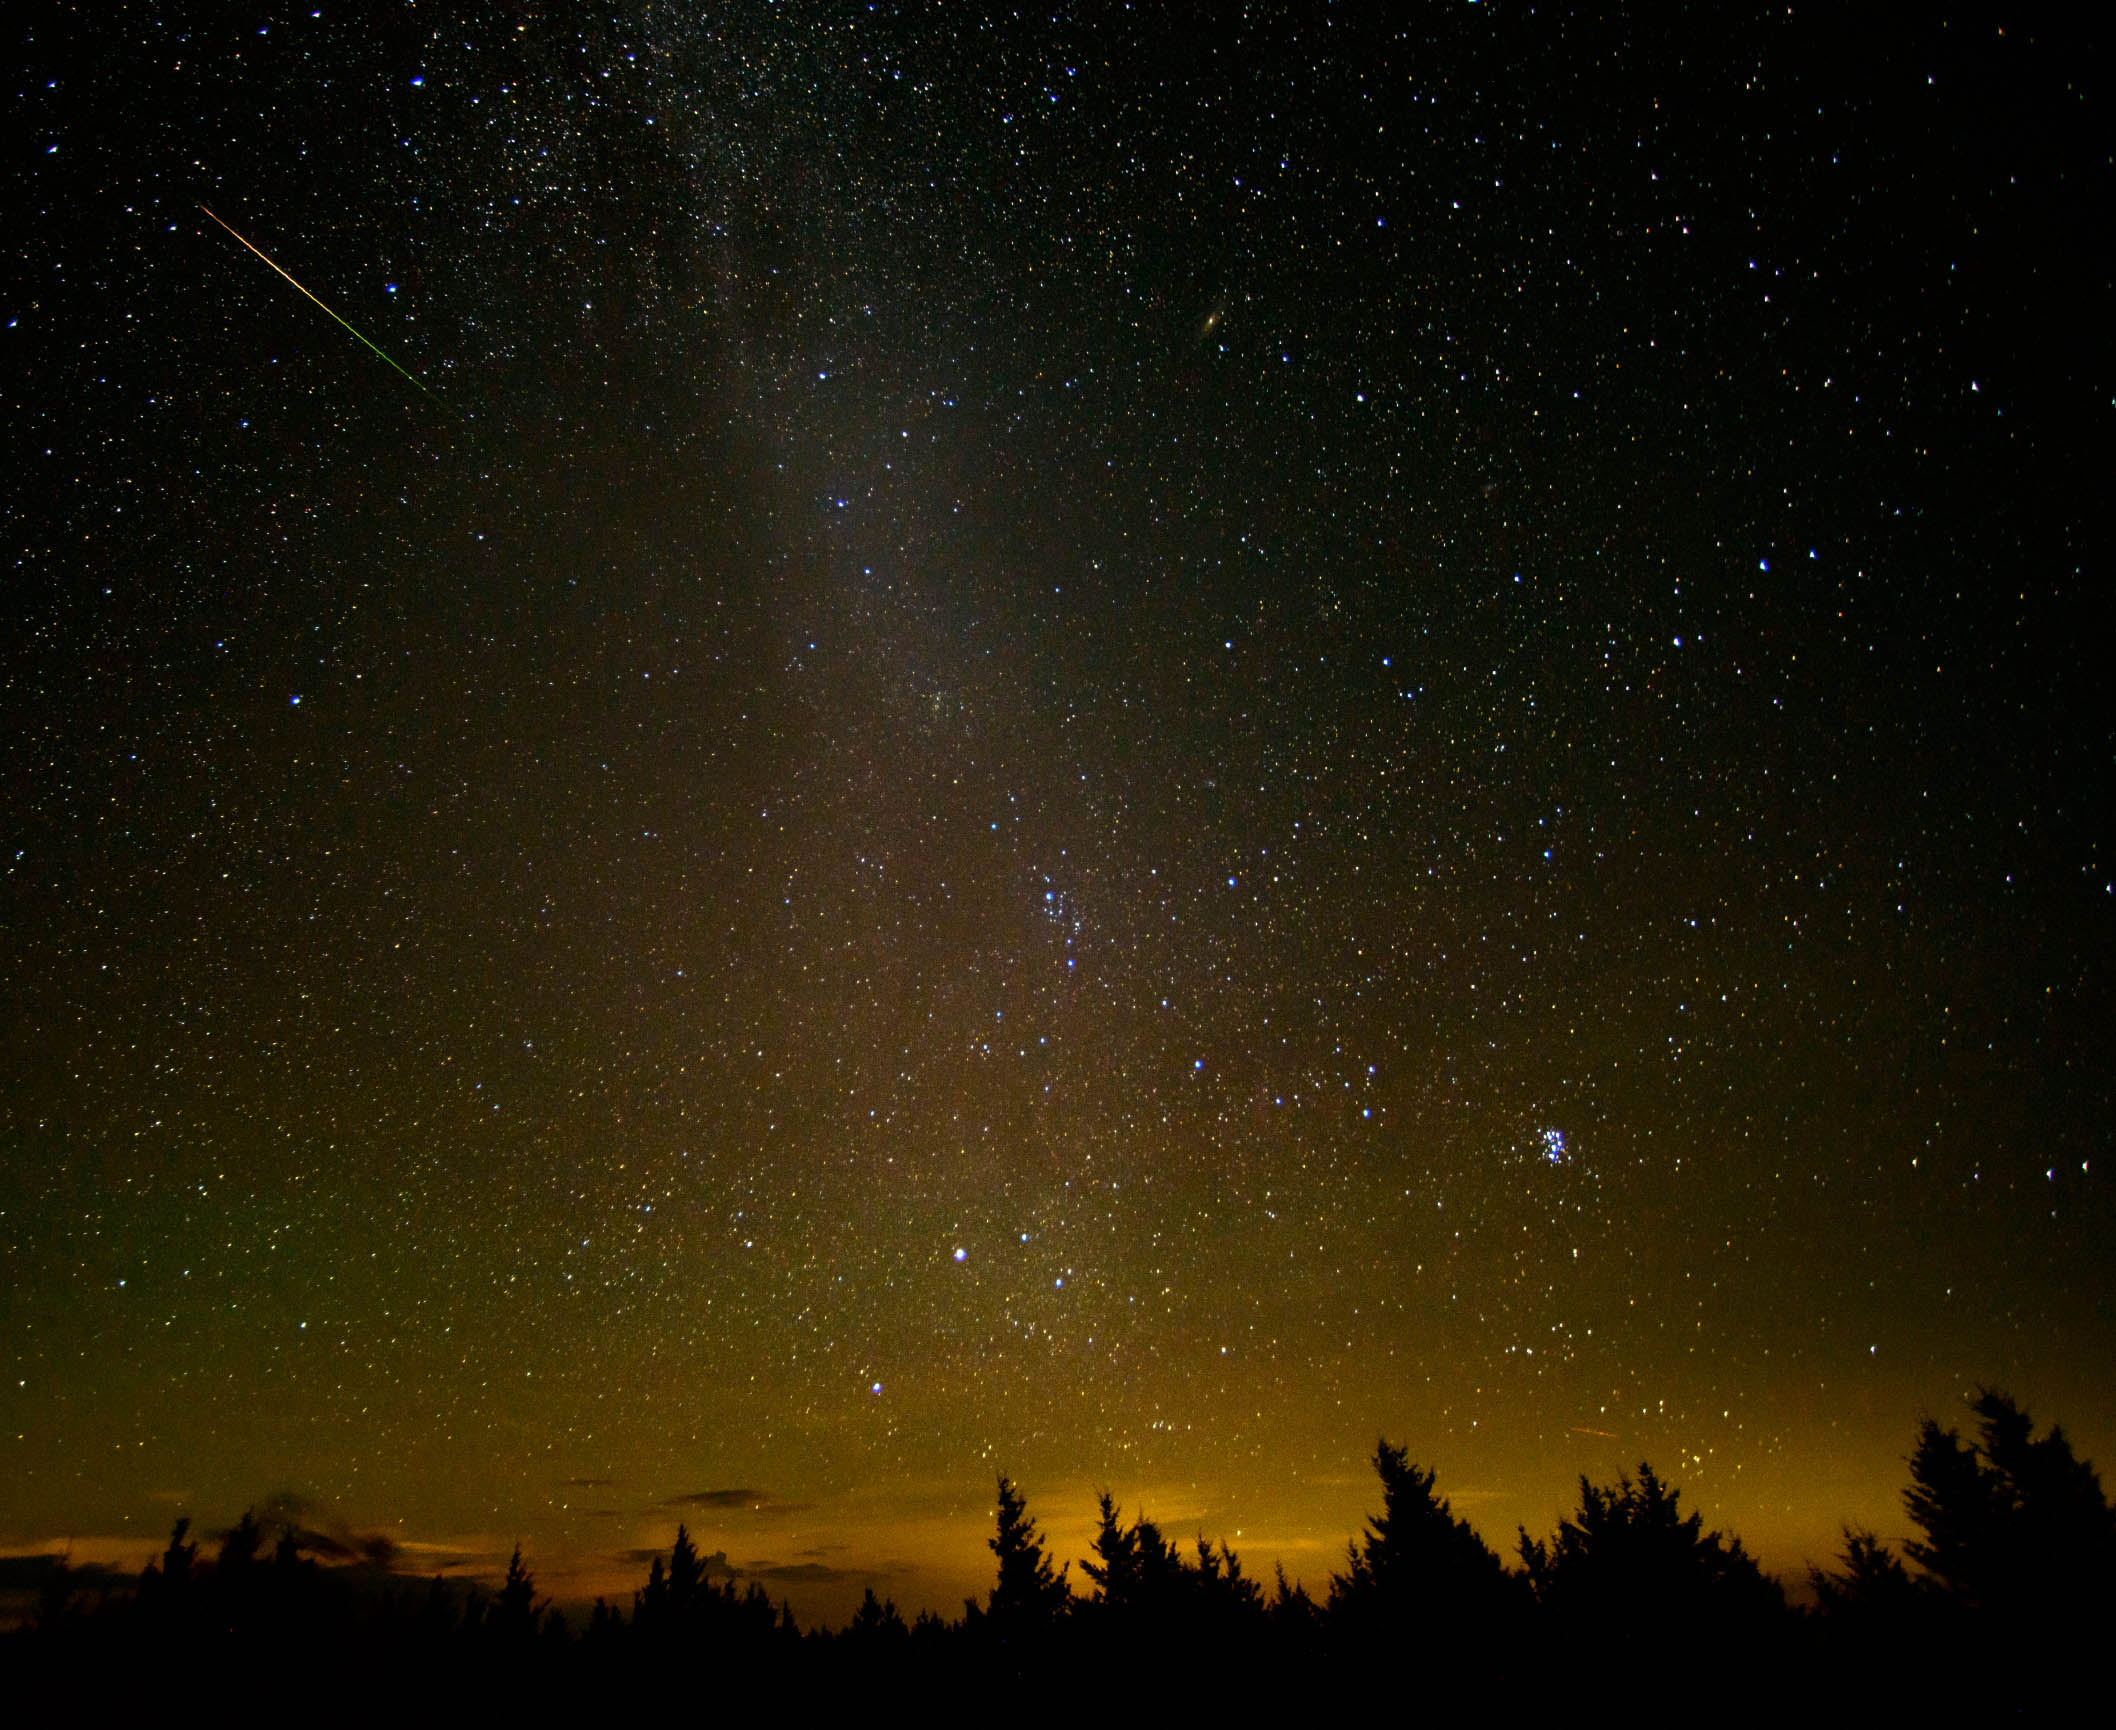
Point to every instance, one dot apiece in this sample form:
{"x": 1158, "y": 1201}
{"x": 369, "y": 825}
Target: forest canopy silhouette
{"x": 2012, "y": 1570}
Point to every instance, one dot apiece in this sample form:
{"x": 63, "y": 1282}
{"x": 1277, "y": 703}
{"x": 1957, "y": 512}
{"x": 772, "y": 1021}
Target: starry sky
{"x": 1115, "y": 743}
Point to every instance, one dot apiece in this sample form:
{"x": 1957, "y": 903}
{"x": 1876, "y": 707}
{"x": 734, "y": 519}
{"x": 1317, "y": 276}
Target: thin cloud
{"x": 28, "y": 1573}
{"x": 808, "y": 1573}
{"x": 737, "y": 1501}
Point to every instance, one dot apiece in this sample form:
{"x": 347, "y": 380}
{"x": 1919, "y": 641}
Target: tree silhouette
{"x": 1630, "y": 1559}
{"x": 513, "y": 1616}
{"x": 1869, "y": 1594}
{"x": 235, "y": 1581}
{"x": 682, "y": 1613}
{"x": 165, "y": 1589}
{"x": 1147, "y": 1592}
{"x": 2013, "y": 1524}
{"x": 239, "y": 1545}
{"x": 1136, "y": 1572}
{"x": 878, "y": 1622}
{"x": 179, "y": 1564}
{"x": 2009, "y": 1581}
{"x": 1416, "y": 1564}
{"x": 1115, "y": 1570}
{"x": 650, "y": 1604}
{"x": 1030, "y": 1594}
{"x": 437, "y": 1616}
{"x": 287, "y": 1559}
{"x": 1225, "y": 1596}
{"x": 605, "y": 1627}
{"x": 1291, "y": 1610}
{"x": 686, "y": 1577}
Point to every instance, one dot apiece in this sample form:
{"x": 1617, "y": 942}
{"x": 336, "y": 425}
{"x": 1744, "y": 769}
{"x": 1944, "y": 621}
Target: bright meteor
{"x": 269, "y": 260}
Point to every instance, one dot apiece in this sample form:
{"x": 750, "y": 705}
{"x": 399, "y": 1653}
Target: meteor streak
{"x": 261, "y": 254}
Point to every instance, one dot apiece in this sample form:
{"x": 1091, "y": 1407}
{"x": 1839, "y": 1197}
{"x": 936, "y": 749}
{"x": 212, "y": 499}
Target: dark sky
{"x": 1120, "y": 744}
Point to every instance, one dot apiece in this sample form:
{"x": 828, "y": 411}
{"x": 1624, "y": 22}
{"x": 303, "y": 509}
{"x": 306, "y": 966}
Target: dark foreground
{"x": 1631, "y": 1605}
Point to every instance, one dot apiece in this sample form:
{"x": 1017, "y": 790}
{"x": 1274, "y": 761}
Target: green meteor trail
{"x": 267, "y": 258}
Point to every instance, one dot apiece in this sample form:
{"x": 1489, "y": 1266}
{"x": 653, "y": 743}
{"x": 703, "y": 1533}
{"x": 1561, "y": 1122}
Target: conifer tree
{"x": 877, "y": 1621}
{"x": 1115, "y": 1569}
{"x": 1416, "y": 1562}
{"x": 1294, "y": 1615}
{"x": 1869, "y": 1592}
{"x": 686, "y": 1577}
{"x": 514, "y": 1611}
{"x": 1029, "y": 1593}
{"x": 239, "y": 1548}
{"x": 2013, "y": 1523}
{"x": 1631, "y": 1557}
{"x": 165, "y": 1586}
{"x": 605, "y": 1630}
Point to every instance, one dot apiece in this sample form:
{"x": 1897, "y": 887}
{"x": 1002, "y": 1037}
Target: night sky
{"x": 1112, "y": 743}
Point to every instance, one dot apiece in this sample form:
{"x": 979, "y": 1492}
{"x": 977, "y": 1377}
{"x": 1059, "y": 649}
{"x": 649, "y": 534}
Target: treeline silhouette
{"x": 2009, "y": 1586}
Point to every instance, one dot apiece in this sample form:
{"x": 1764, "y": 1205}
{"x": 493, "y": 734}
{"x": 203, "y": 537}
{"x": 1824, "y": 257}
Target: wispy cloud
{"x": 745, "y": 1501}
{"x": 808, "y": 1573}
{"x": 27, "y": 1573}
